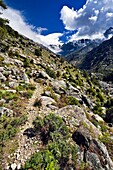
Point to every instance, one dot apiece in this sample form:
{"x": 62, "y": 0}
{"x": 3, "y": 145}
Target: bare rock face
{"x": 59, "y": 86}
{"x": 75, "y": 117}
{"x": 93, "y": 152}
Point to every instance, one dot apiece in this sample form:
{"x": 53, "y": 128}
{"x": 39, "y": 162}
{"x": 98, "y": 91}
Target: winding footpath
{"x": 26, "y": 146}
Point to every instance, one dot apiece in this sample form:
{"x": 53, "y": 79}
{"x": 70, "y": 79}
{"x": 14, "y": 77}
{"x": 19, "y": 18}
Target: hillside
{"x": 52, "y": 115}
{"x": 100, "y": 58}
{"x": 77, "y": 57}
{"x": 97, "y": 60}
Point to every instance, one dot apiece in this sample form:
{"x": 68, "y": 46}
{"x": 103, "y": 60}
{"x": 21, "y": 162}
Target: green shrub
{"x": 109, "y": 103}
{"x": 91, "y": 91}
{"x": 49, "y": 125}
{"x": 8, "y": 95}
{"x": 27, "y": 62}
{"x": 55, "y": 135}
{"x": 38, "y": 52}
{"x": 28, "y": 94}
{"x": 50, "y": 72}
{"x": 42, "y": 160}
{"x": 3, "y": 33}
{"x": 101, "y": 97}
{"x": 25, "y": 86}
{"x": 1, "y": 59}
{"x": 98, "y": 110}
{"x": 73, "y": 101}
{"x": 18, "y": 121}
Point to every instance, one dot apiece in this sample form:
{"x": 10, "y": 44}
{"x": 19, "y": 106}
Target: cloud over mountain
{"x": 91, "y": 21}
{"x": 19, "y": 23}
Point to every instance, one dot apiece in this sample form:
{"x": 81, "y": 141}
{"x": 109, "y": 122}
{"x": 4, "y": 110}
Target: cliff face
{"x": 52, "y": 115}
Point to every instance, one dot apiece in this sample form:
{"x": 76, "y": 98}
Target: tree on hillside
{"x": 2, "y": 4}
{"x": 3, "y": 22}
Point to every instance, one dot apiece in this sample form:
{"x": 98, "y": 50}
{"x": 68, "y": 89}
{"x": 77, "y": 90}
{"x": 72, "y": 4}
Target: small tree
{"x": 2, "y": 4}
{"x": 38, "y": 52}
{"x": 2, "y": 33}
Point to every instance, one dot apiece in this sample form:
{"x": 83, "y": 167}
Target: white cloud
{"x": 93, "y": 18}
{"x": 19, "y": 23}
{"x": 91, "y": 21}
{"x": 40, "y": 29}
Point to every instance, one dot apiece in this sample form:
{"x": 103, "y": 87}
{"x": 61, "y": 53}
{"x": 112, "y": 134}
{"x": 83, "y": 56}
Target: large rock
{"x": 13, "y": 84}
{"x": 43, "y": 75}
{"x": 75, "y": 116}
{"x": 25, "y": 78}
{"x": 44, "y": 100}
{"x": 94, "y": 152}
{"x": 13, "y": 166}
{"x": 59, "y": 86}
{"x": 2, "y": 77}
{"x": 18, "y": 63}
{"x": 4, "y": 110}
{"x": 109, "y": 115}
{"x": 97, "y": 118}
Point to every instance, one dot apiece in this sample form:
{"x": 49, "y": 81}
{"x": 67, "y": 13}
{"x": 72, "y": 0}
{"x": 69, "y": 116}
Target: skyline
{"x": 65, "y": 21}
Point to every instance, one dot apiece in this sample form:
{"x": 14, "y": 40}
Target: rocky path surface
{"x": 27, "y": 146}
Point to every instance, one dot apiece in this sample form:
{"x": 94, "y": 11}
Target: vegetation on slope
{"x": 71, "y": 100}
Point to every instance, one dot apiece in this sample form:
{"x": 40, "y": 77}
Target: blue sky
{"x": 55, "y": 22}
{"x": 45, "y": 13}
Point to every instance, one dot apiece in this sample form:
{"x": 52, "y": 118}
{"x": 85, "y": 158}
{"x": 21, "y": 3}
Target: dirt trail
{"x": 27, "y": 146}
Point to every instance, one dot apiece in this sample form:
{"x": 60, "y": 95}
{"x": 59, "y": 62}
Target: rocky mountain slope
{"x": 78, "y": 56}
{"x": 78, "y": 48}
{"x": 100, "y": 58}
{"x": 70, "y": 48}
{"x": 52, "y": 115}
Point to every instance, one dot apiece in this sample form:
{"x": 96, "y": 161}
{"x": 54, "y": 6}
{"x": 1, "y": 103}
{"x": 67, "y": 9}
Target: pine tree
{"x": 2, "y": 4}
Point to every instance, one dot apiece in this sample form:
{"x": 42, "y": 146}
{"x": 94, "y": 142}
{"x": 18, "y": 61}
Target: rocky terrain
{"x": 100, "y": 59}
{"x": 52, "y": 115}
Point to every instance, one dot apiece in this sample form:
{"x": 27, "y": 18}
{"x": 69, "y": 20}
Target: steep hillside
{"x": 52, "y": 115}
{"x": 97, "y": 60}
{"x": 100, "y": 58}
{"x": 77, "y": 57}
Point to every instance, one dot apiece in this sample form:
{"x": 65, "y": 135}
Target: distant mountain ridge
{"x": 70, "y": 48}
{"x": 77, "y": 56}
{"x": 100, "y": 58}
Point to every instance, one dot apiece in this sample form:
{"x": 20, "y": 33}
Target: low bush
{"x": 73, "y": 101}
{"x": 55, "y": 135}
{"x": 50, "y": 72}
{"x": 38, "y": 51}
